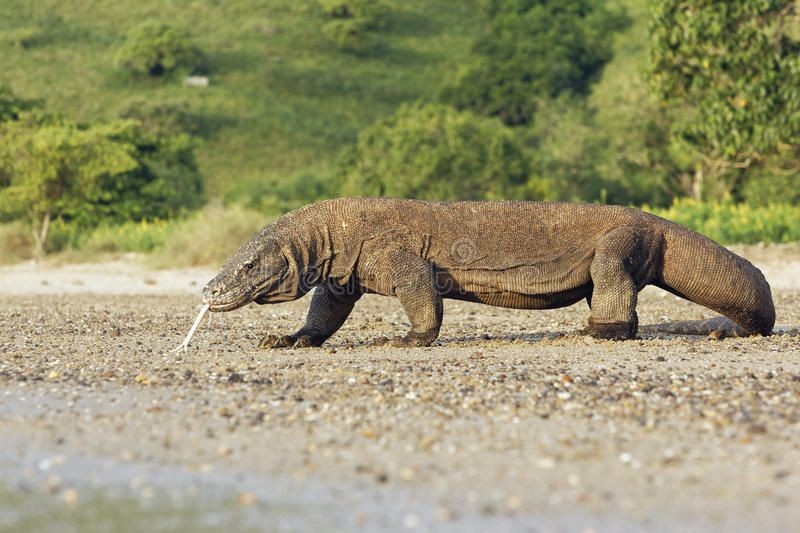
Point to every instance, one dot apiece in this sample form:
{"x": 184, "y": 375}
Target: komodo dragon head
{"x": 259, "y": 271}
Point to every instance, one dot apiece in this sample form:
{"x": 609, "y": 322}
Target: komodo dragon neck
{"x": 306, "y": 239}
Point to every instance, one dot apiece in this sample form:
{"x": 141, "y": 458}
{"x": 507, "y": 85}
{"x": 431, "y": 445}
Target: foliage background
{"x": 291, "y": 108}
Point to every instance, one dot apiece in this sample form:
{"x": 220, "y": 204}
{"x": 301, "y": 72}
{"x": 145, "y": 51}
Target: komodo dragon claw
{"x": 287, "y": 341}
{"x": 407, "y": 341}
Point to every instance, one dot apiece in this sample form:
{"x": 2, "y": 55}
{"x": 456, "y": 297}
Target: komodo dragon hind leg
{"x": 330, "y": 307}
{"x": 412, "y": 281}
{"x": 614, "y": 296}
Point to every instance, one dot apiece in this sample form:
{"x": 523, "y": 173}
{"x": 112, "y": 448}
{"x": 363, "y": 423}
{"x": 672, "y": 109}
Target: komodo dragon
{"x": 522, "y": 255}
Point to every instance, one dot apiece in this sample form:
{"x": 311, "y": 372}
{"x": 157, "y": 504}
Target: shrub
{"x": 763, "y": 188}
{"x": 161, "y": 117}
{"x": 154, "y": 49}
{"x": 355, "y": 23}
{"x": 64, "y": 236}
{"x": 435, "y": 152}
{"x": 351, "y": 35}
{"x": 17, "y": 242}
{"x": 142, "y": 236}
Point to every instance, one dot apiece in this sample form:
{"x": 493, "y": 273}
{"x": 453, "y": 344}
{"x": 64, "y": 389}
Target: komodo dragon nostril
{"x": 208, "y": 291}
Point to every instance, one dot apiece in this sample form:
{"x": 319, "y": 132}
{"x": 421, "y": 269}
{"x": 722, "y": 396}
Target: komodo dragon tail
{"x": 700, "y": 270}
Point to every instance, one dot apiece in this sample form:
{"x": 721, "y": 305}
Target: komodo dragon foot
{"x": 613, "y": 331}
{"x": 288, "y": 341}
{"x": 412, "y": 340}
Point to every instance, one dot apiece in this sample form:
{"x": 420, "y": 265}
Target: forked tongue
{"x": 185, "y": 343}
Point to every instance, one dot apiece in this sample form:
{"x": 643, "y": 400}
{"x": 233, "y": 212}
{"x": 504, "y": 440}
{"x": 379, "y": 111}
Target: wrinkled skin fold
{"x": 523, "y": 255}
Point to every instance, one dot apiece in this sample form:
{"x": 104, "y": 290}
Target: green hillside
{"x": 430, "y": 99}
{"x": 282, "y": 100}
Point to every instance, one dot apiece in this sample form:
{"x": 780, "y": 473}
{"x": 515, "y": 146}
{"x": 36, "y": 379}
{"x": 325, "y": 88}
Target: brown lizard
{"x": 522, "y": 255}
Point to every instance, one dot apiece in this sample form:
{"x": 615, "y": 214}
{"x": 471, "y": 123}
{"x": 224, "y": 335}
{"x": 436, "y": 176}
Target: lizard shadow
{"x": 464, "y": 341}
{"x": 570, "y": 336}
{"x": 526, "y": 338}
{"x": 562, "y": 336}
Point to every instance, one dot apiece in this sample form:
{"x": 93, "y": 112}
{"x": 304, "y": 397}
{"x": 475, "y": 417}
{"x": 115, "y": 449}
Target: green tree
{"x": 154, "y": 49}
{"x": 164, "y": 183}
{"x": 733, "y": 69}
{"x": 535, "y": 50}
{"x": 432, "y": 151}
{"x": 87, "y": 174}
{"x": 57, "y": 167}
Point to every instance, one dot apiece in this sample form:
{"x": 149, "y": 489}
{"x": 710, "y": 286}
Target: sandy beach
{"x": 510, "y": 422}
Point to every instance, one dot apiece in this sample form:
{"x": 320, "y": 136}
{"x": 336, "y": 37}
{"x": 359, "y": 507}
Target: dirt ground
{"x": 510, "y": 422}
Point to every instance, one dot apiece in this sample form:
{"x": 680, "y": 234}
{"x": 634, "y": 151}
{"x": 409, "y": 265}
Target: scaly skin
{"x": 523, "y": 255}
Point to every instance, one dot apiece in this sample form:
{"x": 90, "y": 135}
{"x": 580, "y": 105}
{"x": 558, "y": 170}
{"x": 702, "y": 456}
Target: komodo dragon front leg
{"x": 330, "y": 307}
{"x": 409, "y": 277}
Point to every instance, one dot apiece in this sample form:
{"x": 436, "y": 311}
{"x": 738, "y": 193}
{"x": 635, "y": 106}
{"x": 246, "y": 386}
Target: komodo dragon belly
{"x": 531, "y": 272}
{"x": 517, "y": 288}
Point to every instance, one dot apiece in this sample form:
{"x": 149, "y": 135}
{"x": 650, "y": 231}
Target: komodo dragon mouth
{"x": 237, "y": 300}
{"x": 268, "y": 290}
{"x": 218, "y": 308}
{"x": 219, "y": 301}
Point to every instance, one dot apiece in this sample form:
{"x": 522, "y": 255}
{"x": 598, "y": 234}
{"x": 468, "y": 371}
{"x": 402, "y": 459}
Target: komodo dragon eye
{"x": 249, "y": 266}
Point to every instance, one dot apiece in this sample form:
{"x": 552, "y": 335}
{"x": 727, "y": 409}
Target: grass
{"x": 282, "y": 99}
{"x": 16, "y": 243}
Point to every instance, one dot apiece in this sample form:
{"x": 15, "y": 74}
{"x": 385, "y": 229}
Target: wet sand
{"x": 511, "y": 421}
